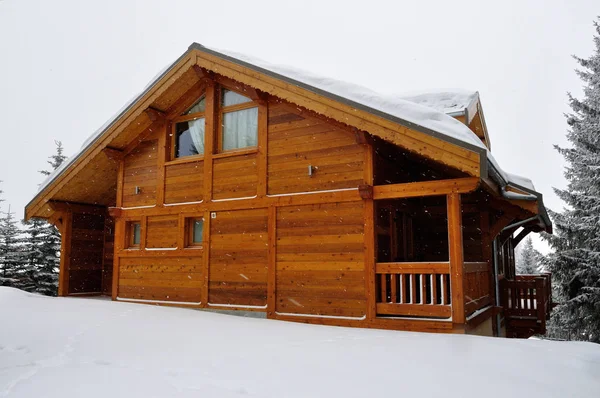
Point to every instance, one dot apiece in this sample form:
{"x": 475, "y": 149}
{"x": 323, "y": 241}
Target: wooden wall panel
{"x": 320, "y": 260}
{"x": 87, "y": 253}
{"x": 297, "y": 141}
{"x": 238, "y": 258}
{"x": 184, "y": 182}
{"x": 235, "y": 177}
{"x": 176, "y": 279}
{"x": 141, "y": 170}
{"x": 162, "y": 231}
{"x": 109, "y": 251}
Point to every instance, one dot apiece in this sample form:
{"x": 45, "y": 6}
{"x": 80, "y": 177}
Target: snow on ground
{"x": 77, "y": 347}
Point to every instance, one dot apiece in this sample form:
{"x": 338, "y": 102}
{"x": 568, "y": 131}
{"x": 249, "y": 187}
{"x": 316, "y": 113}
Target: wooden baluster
{"x": 403, "y": 289}
{"x": 424, "y": 278}
{"x": 434, "y": 296}
{"x": 394, "y": 288}
{"x": 413, "y": 288}
{"x": 384, "y": 288}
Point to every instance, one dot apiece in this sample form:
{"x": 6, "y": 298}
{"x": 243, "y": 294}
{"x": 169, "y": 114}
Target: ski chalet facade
{"x": 231, "y": 184}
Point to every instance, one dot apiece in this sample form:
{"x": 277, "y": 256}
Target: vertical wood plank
{"x": 120, "y": 177}
{"x": 272, "y": 262}
{"x": 424, "y": 278}
{"x": 261, "y": 157}
{"x": 143, "y": 232}
{"x": 205, "y": 259}
{"x": 161, "y": 157}
{"x": 65, "y": 253}
{"x": 383, "y": 288}
{"x": 455, "y": 243}
{"x": 209, "y": 139}
{"x": 403, "y": 291}
{"x": 393, "y": 287}
{"x": 120, "y": 234}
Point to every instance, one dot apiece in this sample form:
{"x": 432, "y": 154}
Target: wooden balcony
{"x": 527, "y": 302}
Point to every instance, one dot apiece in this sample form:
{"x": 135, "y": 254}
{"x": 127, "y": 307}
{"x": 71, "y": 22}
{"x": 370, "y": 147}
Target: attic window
{"x": 189, "y": 133}
{"x": 239, "y": 122}
{"x": 199, "y": 106}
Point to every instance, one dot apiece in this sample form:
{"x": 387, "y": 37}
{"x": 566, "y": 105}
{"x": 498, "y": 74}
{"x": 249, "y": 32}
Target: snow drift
{"x": 74, "y": 347}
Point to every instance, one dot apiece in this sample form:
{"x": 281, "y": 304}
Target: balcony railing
{"x": 527, "y": 302}
{"x": 414, "y": 289}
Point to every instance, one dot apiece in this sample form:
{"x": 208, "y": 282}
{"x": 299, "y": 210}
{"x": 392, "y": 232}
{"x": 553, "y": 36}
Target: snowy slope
{"x": 76, "y": 347}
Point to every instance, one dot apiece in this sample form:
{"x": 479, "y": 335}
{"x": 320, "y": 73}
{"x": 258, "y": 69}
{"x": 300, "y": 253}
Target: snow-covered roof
{"x": 430, "y": 111}
{"x": 452, "y": 102}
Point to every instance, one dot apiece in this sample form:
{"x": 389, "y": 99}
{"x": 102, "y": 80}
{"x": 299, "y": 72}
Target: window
{"x": 189, "y": 134}
{"x": 134, "y": 234}
{"x": 239, "y": 123}
{"x": 195, "y": 230}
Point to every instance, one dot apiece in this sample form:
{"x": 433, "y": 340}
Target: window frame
{"x": 172, "y": 128}
{"x": 222, "y": 110}
{"x": 189, "y": 232}
{"x": 130, "y": 235}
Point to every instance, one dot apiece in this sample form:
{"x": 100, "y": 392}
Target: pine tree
{"x": 12, "y": 256}
{"x": 575, "y": 262}
{"x": 42, "y": 245}
{"x": 55, "y": 160}
{"x": 528, "y": 260}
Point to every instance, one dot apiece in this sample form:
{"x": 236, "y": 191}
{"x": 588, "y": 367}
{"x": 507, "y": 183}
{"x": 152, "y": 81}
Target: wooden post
{"x": 261, "y": 160}
{"x": 272, "y": 263}
{"x": 455, "y": 243}
{"x": 120, "y": 234}
{"x": 369, "y": 234}
{"x": 540, "y": 298}
{"x": 205, "y": 259}
{"x": 65, "y": 253}
{"x": 209, "y": 139}
{"x": 161, "y": 171}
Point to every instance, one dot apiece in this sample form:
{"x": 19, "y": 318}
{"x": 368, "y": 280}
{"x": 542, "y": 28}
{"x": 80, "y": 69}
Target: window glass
{"x": 189, "y": 138}
{"x": 199, "y": 106}
{"x": 136, "y": 233}
{"x": 229, "y": 97}
{"x": 240, "y": 129}
{"x": 198, "y": 226}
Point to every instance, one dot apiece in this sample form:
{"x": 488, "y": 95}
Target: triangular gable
{"x": 418, "y": 129}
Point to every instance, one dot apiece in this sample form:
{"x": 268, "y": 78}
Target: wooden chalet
{"x": 230, "y": 184}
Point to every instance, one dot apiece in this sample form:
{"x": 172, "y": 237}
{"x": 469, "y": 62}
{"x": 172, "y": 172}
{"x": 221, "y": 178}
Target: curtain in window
{"x": 240, "y": 129}
{"x": 197, "y": 133}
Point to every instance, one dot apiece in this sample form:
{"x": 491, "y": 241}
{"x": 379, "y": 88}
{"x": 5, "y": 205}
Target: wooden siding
{"x": 320, "y": 260}
{"x": 174, "y": 279}
{"x": 184, "y": 182}
{"x": 162, "y": 232}
{"x": 297, "y": 140}
{"x": 238, "y": 258}
{"x": 235, "y": 177}
{"x": 140, "y": 169}
{"x": 87, "y": 253}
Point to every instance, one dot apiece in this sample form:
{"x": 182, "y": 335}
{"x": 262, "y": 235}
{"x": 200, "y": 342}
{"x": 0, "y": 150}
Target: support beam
{"x": 427, "y": 188}
{"x": 68, "y": 207}
{"x": 65, "y": 253}
{"x": 154, "y": 114}
{"x": 455, "y": 246}
{"x": 113, "y": 154}
{"x": 499, "y": 225}
{"x": 521, "y": 236}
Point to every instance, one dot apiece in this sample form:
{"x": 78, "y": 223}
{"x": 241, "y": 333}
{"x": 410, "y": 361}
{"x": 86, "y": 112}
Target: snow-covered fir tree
{"x": 575, "y": 262}
{"x": 528, "y": 259}
{"x": 12, "y": 257}
{"x": 55, "y": 160}
{"x": 42, "y": 244}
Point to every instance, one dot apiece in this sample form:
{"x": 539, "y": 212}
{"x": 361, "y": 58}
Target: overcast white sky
{"x": 66, "y": 66}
